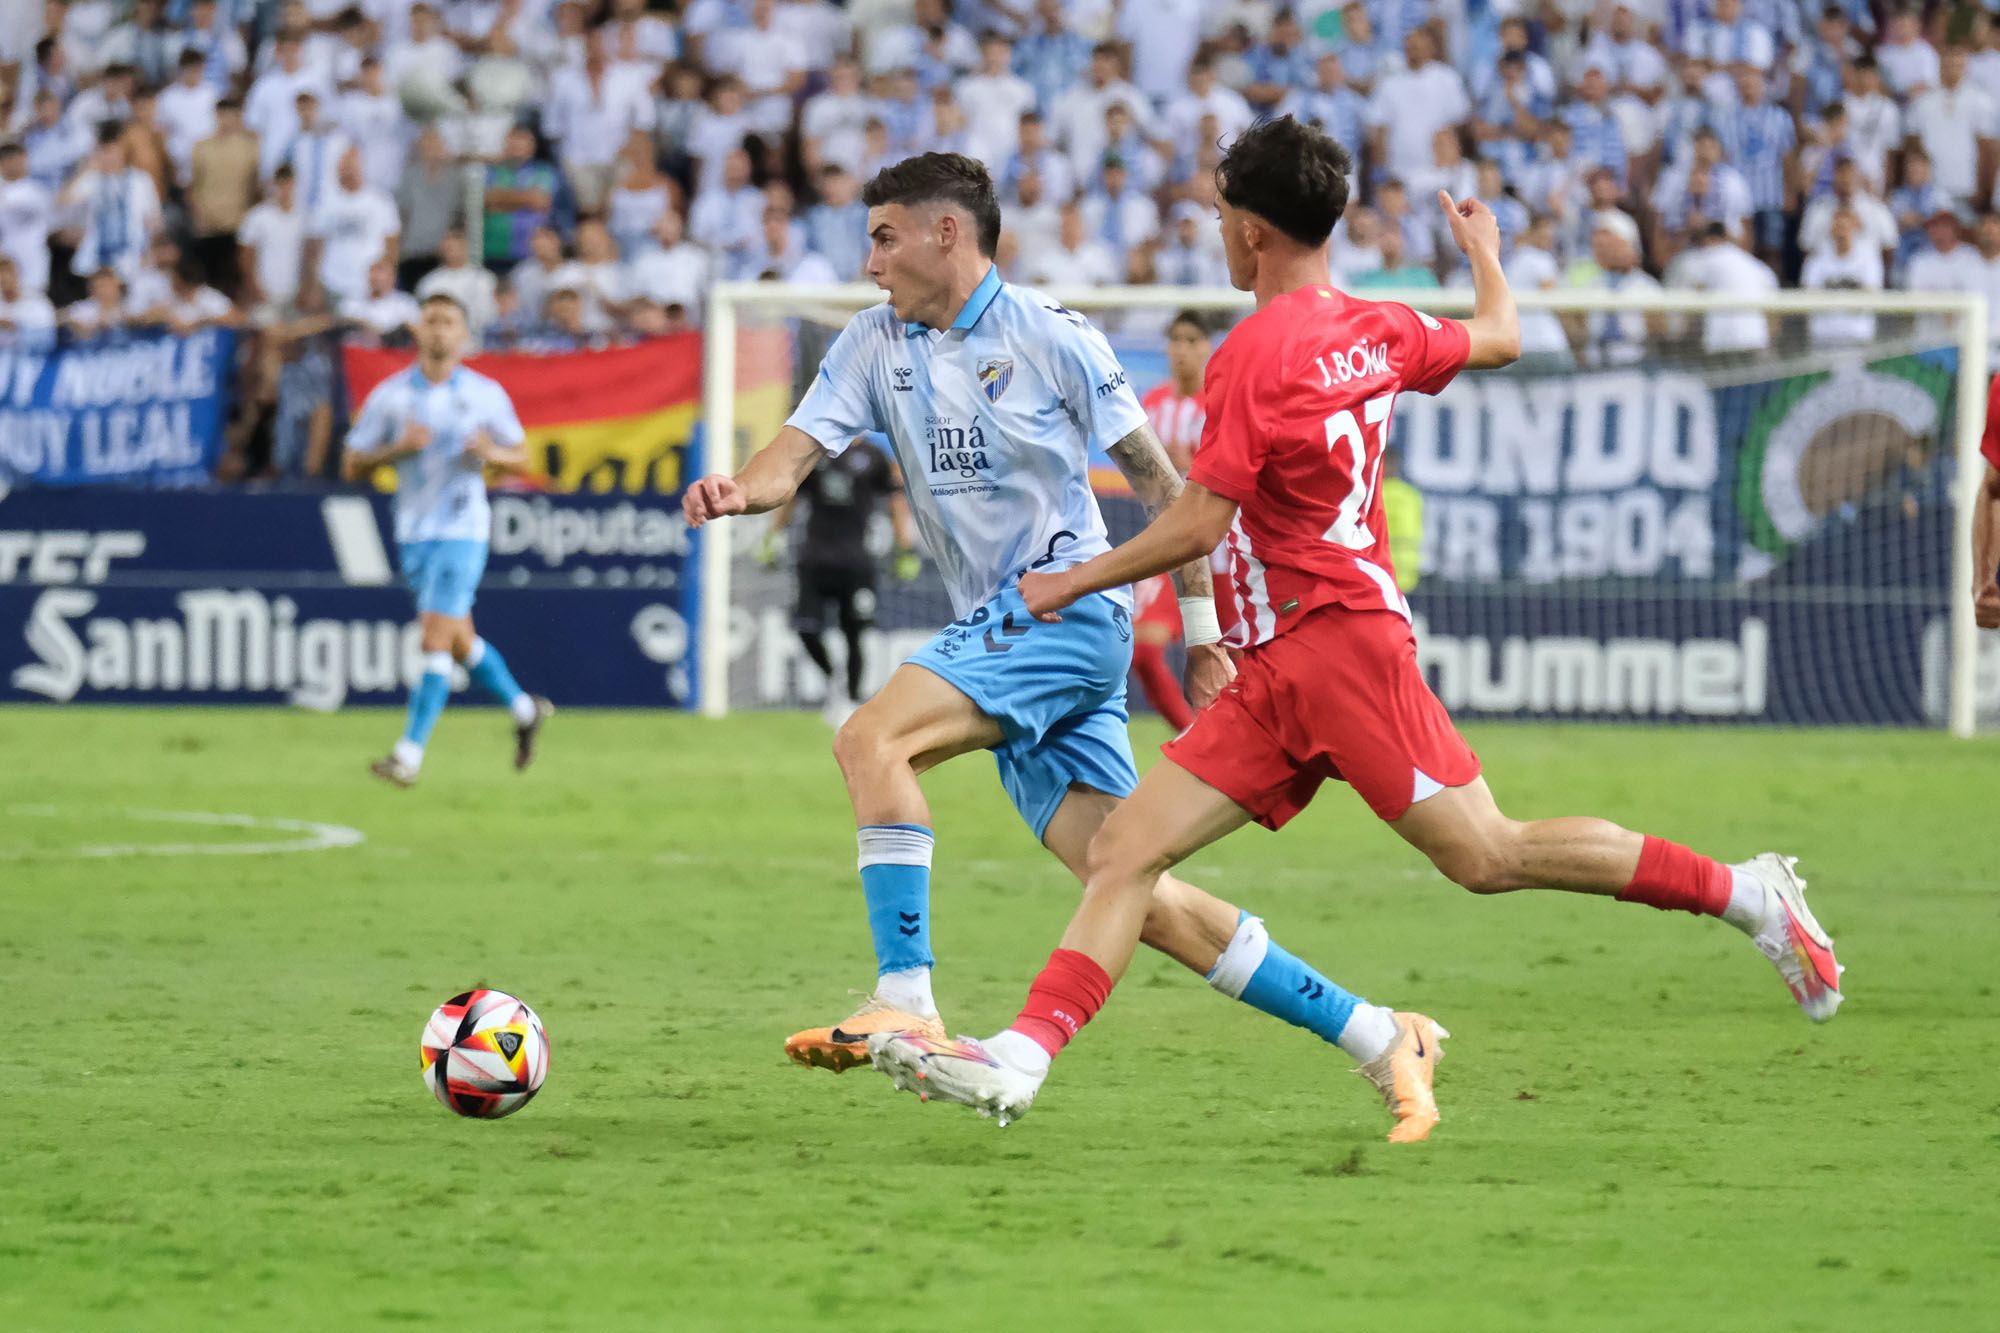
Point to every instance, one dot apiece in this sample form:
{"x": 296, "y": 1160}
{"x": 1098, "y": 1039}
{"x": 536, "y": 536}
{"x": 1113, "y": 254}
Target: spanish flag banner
{"x": 615, "y": 421}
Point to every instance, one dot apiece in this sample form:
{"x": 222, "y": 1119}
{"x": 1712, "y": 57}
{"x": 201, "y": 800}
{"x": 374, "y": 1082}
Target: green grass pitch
{"x": 211, "y": 1114}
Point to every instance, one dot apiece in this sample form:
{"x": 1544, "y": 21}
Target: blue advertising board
{"x": 204, "y": 597}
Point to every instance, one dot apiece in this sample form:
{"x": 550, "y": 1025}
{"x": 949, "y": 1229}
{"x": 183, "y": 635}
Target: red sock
{"x": 1673, "y": 878}
{"x": 1066, "y": 995}
{"x": 1162, "y": 690}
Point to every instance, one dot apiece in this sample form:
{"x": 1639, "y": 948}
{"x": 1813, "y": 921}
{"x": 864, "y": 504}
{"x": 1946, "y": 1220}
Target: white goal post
{"x": 1937, "y": 342}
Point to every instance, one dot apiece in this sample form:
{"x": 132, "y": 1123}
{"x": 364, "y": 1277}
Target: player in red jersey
{"x": 1299, "y": 400}
{"x": 1174, "y": 407}
{"x": 1986, "y": 520}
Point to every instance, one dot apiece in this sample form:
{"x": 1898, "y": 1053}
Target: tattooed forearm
{"x": 1143, "y": 460}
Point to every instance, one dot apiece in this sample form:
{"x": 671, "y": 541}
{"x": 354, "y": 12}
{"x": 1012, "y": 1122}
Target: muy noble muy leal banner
{"x": 145, "y": 410}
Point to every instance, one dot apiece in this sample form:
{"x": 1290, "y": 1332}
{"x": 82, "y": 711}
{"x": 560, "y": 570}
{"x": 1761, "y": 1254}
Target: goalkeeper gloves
{"x": 908, "y": 565}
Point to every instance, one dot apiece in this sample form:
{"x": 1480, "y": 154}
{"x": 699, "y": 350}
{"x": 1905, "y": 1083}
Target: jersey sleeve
{"x": 375, "y": 425}
{"x": 1092, "y": 383}
{"x": 1437, "y": 348}
{"x": 1236, "y": 438}
{"x": 841, "y": 402}
{"x": 1989, "y": 444}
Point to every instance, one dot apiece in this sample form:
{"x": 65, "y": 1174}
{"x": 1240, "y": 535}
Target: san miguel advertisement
{"x": 193, "y": 597}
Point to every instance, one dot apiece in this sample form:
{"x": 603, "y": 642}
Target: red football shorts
{"x": 1154, "y": 603}
{"x": 1338, "y": 696}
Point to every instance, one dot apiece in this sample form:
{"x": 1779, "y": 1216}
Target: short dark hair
{"x": 941, "y": 178}
{"x": 1290, "y": 174}
{"x": 446, "y": 298}
{"x": 1199, "y": 320}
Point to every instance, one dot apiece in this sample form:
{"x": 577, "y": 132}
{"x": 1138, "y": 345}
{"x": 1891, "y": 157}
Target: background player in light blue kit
{"x": 442, "y": 426}
{"x": 991, "y": 396}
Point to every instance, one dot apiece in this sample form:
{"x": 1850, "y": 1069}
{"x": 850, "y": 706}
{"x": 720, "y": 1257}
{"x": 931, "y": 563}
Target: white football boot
{"x": 1793, "y": 939}
{"x": 393, "y": 770}
{"x": 958, "y": 1070}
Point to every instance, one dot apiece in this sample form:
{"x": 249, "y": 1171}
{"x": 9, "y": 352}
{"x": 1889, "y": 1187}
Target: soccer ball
{"x": 485, "y": 1054}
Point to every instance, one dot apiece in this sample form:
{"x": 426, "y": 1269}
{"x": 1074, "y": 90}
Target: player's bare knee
{"x": 1122, "y": 852}
{"x": 863, "y": 749}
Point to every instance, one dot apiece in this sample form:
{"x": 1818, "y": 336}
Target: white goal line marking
{"x": 318, "y": 837}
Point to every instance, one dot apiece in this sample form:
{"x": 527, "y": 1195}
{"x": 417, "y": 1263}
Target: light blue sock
{"x": 895, "y": 861}
{"x": 1258, "y": 971}
{"x": 489, "y": 672}
{"x": 427, "y": 700}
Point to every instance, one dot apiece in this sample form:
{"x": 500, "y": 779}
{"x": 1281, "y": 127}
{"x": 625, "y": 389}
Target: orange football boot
{"x": 845, "y": 1044}
{"x": 1403, "y": 1074}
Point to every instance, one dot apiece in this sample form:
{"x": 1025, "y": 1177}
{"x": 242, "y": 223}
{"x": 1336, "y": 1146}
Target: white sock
{"x": 909, "y": 989}
{"x": 408, "y": 753}
{"x": 1017, "y": 1050}
{"x": 523, "y": 709}
{"x": 1370, "y": 1030}
{"x": 1749, "y": 901}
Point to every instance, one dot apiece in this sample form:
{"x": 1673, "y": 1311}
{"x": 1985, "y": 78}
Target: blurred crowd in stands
{"x": 578, "y": 174}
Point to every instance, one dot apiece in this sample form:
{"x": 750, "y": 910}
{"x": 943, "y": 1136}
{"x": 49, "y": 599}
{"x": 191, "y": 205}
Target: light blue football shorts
{"x": 1057, "y": 691}
{"x": 443, "y": 574}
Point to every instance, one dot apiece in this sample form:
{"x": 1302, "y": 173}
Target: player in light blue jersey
{"x": 991, "y": 396}
{"x": 441, "y": 427}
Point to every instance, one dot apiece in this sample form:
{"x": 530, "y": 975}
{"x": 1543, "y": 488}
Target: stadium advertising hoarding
{"x": 1721, "y": 541}
{"x": 117, "y": 596}
{"x": 143, "y": 409}
{"x": 1711, "y": 541}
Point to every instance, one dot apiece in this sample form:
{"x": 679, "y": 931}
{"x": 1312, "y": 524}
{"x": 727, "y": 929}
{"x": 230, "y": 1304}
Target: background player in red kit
{"x": 1175, "y": 410}
{"x": 1299, "y": 403}
{"x": 1986, "y": 520}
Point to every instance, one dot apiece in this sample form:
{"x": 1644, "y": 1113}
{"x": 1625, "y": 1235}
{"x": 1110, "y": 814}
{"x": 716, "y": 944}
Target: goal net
{"x": 1630, "y": 524}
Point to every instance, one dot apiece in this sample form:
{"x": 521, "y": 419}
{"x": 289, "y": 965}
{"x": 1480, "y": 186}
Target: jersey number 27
{"x": 1350, "y": 521}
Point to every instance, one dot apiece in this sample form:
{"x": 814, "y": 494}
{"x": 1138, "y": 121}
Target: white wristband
{"x": 1198, "y": 621}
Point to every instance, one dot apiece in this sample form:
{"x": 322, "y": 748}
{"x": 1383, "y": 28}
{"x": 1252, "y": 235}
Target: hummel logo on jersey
{"x": 994, "y": 377}
{"x": 1358, "y": 362}
{"x": 902, "y": 374}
